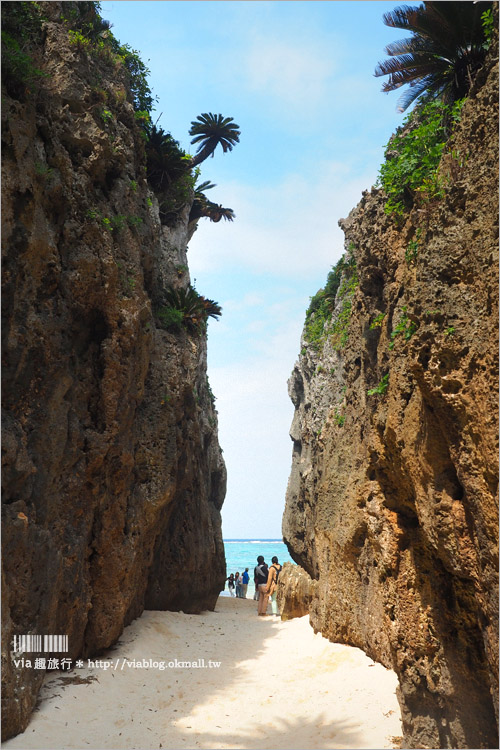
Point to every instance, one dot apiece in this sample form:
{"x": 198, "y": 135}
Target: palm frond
{"x": 411, "y": 63}
{"x": 200, "y": 189}
{"x": 210, "y": 131}
{"x": 442, "y": 56}
{"x": 404, "y": 17}
{"x": 211, "y": 308}
{"x": 217, "y": 212}
{"x": 194, "y": 307}
{"x": 202, "y": 207}
{"x": 414, "y": 90}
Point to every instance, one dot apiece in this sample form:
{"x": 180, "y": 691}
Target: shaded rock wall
{"x": 392, "y": 499}
{"x": 113, "y": 478}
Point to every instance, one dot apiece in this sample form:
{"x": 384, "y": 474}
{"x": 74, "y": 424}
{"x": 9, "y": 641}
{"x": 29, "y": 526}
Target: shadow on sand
{"x": 150, "y": 709}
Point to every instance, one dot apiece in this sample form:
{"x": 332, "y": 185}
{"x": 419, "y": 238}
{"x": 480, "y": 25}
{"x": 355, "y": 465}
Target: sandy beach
{"x": 278, "y": 686}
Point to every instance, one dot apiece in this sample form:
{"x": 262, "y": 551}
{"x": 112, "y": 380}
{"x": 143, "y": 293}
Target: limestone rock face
{"x": 113, "y": 478}
{"x": 391, "y": 504}
{"x": 295, "y": 591}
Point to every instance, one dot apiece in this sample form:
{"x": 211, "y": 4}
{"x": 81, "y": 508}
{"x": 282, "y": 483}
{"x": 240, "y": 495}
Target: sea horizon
{"x": 253, "y": 539}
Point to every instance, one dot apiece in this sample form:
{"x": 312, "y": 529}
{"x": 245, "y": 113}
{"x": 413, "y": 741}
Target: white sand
{"x": 278, "y": 686}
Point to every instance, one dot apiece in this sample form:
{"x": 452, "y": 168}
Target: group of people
{"x": 266, "y": 583}
{"x": 238, "y": 582}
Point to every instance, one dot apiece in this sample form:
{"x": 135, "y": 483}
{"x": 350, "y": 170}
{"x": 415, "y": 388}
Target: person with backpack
{"x": 272, "y": 583}
{"x": 260, "y": 576}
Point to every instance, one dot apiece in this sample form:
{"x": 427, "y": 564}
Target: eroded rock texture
{"x": 113, "y": 478}
{"x": 391, "y": 504}
{"x": 295, "y": 592}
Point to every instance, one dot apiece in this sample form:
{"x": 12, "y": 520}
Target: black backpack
{"x": 278, "y": 571}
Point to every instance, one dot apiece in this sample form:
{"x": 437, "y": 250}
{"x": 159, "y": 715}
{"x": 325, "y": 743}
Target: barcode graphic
{"x": 40, "y": 643}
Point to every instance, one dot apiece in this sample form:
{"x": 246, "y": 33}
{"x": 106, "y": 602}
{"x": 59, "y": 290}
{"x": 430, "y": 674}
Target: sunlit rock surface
{"x": 392, "y": 499}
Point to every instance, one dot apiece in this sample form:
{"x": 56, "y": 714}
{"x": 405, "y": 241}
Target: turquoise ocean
{"x": 243, "y": 553}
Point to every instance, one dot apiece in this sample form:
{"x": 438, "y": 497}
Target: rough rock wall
{"x": 392, "y": 498}
{"x": 295, "y": 592}
{"x": 113, "y": 478}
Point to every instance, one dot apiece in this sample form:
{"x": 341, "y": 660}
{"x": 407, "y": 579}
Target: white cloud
{"x": 286, "y": 70}
{"x": 289, "y": 228}
{"x": 244, "y": 303}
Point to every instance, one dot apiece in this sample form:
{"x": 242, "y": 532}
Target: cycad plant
{"x": 185, "y": 307}
{"x": 440, "y": 59}
{"x": 210, "y": 131}
{"x": 204, "y": 207}
{"x": 215, "y": 212}
{"x": 166, "y": 161}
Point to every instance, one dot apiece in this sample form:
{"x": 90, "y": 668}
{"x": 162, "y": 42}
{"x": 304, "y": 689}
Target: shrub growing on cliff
{"x": 340, "y": 325}
{"x": 488, "y": 24}
{"x": 381, "y": 388}
{"x": 405, "y": 327}
{"x": 322, "y": 304}
{"x": 165, "y": 159}
{"x": 21, "y": 33}
{"x": 89, "y": 31}
{"x": 186, "y": 308}
{"x": 166, "y": 171}
{"x": 413, "y": 155}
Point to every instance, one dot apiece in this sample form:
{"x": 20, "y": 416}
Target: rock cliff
{"x": 113, "y": 478}
{"x": 391, "y": 504}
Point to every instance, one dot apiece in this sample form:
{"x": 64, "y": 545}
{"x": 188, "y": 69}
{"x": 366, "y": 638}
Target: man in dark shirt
{"x": 261, "y": 573}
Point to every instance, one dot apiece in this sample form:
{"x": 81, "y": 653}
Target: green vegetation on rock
{"x": 186, "y": 308}
{"x": 381, "y": 388}
{"x": 21, "y": 33}
{"x": 413, "y": 155}
{"x": 341, "y": 283}
{"x": 340, "y": 326}
{"x": 90, "y": 32}
{"x": 405, "y": 327}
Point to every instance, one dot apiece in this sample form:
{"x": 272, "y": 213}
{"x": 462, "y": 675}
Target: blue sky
{"x": 298, "y": 79}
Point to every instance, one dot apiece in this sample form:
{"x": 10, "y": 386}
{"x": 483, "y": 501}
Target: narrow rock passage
{"x": 278, "y": 685}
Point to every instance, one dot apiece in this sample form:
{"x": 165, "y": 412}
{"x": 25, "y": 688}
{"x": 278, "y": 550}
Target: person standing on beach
{"x": 261, "y": 574}
{"x": 244, "y": 585}
{"x": 237, "y": 580}
{"x": 230, "y": 584}
{"x": 272, "y": 583}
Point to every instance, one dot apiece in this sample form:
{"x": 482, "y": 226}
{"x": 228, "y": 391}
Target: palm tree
{"x": 443, "y": 55}
{"x": 210, "y": 131}
{"x": 204, "y": 207}
{"x": 195, "y": 308}
{"x": 213, "y": 211}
